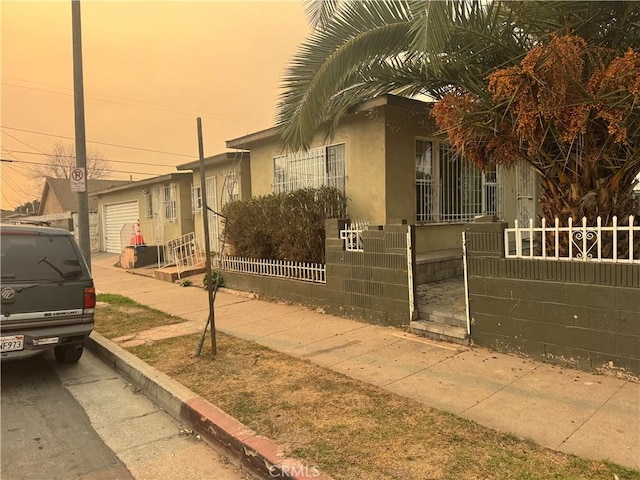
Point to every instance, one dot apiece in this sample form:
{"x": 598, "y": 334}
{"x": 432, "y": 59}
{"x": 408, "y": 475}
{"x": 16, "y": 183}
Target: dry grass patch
{"x": 350, "y": 429}
{"x": 354, "y": 430}
{"x": 117, "y": 316}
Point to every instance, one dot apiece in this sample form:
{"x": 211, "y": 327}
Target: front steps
{"x": 442, "y": 311}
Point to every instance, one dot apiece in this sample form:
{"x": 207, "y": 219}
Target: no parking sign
{"x": 78, "y": 180}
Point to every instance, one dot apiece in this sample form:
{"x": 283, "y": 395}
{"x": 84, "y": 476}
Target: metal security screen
{"x": 450, "y": 189}
{"x": 317, "y": 167}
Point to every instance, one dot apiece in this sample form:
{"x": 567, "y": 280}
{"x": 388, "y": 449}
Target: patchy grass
{"x": 350, "y": 429}
{"x": 121, "y": 316}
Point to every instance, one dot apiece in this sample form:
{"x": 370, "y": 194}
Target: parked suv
{"x": 48, "y": 297}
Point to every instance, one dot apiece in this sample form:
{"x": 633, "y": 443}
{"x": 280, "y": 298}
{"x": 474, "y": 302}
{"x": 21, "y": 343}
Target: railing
{"x": 352, "y": 235}
{"x": 127, "y": 232}
{"x": 575, "y": 242}
{"x": 306, "y": 272}
{"x": 183, "y": 252}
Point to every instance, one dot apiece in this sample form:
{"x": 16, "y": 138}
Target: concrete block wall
{"x": 371, "y": 286}
{"x": 580, "y": 314}
{"x": 435, "y": 270}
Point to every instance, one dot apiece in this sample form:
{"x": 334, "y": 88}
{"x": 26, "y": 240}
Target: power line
{"x": 91, "y": 158}
{"x": 166, "y": 108}
{"x": 23, "y": 143}
{"x": 20, "y": 162}
{"x": 98, "y": 143}
{"x": 18, "y": 189}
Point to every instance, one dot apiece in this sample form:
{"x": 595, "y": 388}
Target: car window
{"x": 41, "y": 258}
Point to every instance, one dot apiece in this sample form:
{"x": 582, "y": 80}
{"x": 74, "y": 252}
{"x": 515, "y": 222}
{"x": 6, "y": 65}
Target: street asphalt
{"x": 575, "y": 412}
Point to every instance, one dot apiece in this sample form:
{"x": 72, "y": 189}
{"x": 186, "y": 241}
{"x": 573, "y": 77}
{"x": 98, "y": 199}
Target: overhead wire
{"x": 96, "y": 142}
{"x": 165, "y": 107}
{"x": 11, "y": 183}
{"x": 14, "y": 162}
{"x": 108, "y": 159}
{"x": 23, "y": 143}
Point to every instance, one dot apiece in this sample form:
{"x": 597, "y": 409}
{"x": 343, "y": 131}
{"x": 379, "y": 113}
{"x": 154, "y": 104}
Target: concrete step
{"x": 442, "y": 317}
{"x": 170, "y": 274}
{"x": 439, "y": 331}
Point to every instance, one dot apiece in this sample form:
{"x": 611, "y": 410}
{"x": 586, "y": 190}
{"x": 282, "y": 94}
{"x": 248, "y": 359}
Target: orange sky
{"x": 150, "y": 68}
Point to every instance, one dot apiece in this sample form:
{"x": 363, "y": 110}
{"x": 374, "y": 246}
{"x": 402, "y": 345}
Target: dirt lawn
{"x": 349, "y": 429}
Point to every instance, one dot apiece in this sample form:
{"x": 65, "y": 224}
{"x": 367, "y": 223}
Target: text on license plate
{"x": 12, "y": 344}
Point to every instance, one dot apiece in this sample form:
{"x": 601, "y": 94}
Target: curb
{"x": 255, "y": 453}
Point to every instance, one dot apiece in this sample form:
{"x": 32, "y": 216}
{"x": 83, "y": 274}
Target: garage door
{"x": 115, "y": 217}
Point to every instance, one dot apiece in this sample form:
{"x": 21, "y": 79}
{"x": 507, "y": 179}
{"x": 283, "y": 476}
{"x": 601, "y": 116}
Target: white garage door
{"x": 115, "y": 217}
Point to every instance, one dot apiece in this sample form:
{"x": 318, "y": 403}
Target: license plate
{"x": 12, "y": 344}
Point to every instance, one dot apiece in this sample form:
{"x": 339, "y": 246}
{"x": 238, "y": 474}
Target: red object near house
{"x": 136, "y": 235}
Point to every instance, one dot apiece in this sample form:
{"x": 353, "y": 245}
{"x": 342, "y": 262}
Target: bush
{"x": 285, "y": 226}
{"x": 216, "y": 277}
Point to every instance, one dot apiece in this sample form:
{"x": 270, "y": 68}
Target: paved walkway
{"x": 593, "y": 416}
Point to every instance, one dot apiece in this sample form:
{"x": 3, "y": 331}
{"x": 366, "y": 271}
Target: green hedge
{"x": 285, "y": 226}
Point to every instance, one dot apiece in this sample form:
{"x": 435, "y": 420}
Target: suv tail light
{"x": 89, "y": 302}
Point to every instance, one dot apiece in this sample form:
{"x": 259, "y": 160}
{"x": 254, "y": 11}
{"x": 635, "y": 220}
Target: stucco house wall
{"x": 379, "y": 137}
{"x": 156, "y": 229}
{"x": 217, "y": 167}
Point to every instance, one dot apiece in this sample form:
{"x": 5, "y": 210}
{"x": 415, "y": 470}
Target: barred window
{"x": 451, "y": 189}
{"x": 196, "y": 199}
{"x": 231, "y": 186}
{"x": 317, "y": 167}
{"x": 170, "y": 211}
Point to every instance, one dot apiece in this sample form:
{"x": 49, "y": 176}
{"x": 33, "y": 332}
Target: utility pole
{"x": 81, "y": 143}
{"x": 212, "y": 288}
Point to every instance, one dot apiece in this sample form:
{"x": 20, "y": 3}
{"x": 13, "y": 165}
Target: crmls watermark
{"x": 286, "y": 471}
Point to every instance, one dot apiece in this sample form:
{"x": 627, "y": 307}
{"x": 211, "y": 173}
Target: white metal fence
{"x": 307, "y": 272}
{"x": 352, "y": 235}
{"x": 575, "y": 242}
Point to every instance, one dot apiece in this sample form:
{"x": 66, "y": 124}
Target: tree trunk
{"x": 566, "y": 200}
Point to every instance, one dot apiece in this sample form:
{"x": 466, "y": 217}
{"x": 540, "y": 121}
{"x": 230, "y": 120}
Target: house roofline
{"x": 388, "y": 99}
{"x": 142, "y": 183}
{"x": 215, "y": 159}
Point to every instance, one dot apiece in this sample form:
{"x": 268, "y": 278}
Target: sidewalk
{"x": 593, "y": 416}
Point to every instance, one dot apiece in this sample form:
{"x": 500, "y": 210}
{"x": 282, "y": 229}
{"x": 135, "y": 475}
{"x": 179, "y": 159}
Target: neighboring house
{"x": 389, "y": 160}
{"x": 162, "y": 206}
{"x": 228, "y": 178}
{"x": 57, "y": 197}
{"x": 59, "y": 205}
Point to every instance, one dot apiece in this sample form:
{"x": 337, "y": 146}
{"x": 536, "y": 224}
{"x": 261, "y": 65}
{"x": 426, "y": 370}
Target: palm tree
{"x": 569, "y": 109}
{"x": 360, "y": 49}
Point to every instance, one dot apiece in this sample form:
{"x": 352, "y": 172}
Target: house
{"x": 59, "y": 205}
{"x": 391, "y": 163}
{"x": 57, "y": 198}
{"x": 228, "y": 178}
{"x": 389, "y": 159}
{"x": 161, "y": 205}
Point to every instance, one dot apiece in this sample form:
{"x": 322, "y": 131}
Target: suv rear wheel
{"x": 68, "y": 353}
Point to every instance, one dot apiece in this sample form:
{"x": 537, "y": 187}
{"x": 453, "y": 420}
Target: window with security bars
{"x": 170, "y": 211}
{"x": 450, "y": 189}
{"x": 196, "y": 199}
{"x": 231, "y": 186}
{"x": 317, "y": 167}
